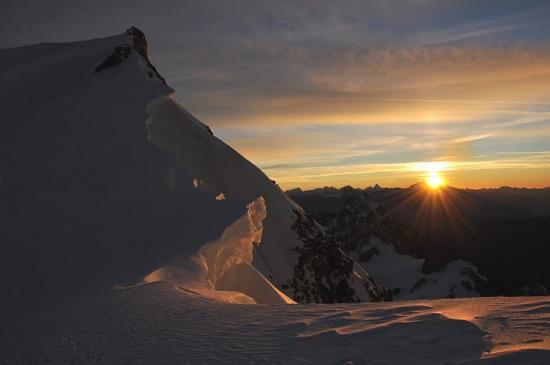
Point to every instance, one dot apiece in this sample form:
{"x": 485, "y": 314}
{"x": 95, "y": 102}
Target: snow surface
{"x": 403, "y": 275}
{"x": 161, "y": 324}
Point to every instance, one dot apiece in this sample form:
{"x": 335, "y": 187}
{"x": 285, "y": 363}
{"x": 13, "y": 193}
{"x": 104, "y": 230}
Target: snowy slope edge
{"x": 216, "y": 174}
{"x": 209, "y": 165}
{"x": 114, "y": 179}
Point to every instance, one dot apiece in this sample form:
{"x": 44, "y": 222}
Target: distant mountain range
{"x": 446, "y": 242}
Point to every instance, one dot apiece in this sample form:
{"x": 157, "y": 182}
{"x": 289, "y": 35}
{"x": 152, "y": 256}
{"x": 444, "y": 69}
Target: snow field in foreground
{"x": 161, "y": 324}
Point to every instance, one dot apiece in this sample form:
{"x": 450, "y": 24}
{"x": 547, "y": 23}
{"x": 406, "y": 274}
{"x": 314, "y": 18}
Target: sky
{"x": 333, "y": 93}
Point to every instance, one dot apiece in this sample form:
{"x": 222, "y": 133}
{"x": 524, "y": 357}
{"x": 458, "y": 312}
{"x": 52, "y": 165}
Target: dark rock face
{"x": 139, "y": 43}
{"x": 324, "y": 270}
{"x": 122, "y": 52}
{"x": 356, "y": 223}
{"x": 479, "y": 282}
{"x": 119, "y": 54}
{"x": 419, "y": 284}
{"x": 140, "y": 46}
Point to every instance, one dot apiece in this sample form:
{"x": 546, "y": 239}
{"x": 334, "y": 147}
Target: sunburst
{"x": 435, "y": 181}
{"x": 432, "y": 171}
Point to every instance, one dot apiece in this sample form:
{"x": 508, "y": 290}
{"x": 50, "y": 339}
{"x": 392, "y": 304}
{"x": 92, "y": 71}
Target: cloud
{"x": 392, "y": 86}
{"x": 483, "y": 28}
{"x": 475, "y": 137}
{"x": 322, "y": 92}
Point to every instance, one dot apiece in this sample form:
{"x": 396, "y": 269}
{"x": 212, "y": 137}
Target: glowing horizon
{"x": 457, "y": 174}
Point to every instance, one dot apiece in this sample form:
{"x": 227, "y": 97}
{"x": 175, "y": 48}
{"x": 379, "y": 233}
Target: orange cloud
{"x": 409, "y": 85}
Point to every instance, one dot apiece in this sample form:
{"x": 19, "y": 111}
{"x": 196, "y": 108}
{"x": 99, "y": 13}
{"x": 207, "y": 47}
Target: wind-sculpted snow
{"x": 161, "y": 324}
{"x": 226, "y": 264}
{"x": 219, "y": 170}
{"x": 236, "y": 243}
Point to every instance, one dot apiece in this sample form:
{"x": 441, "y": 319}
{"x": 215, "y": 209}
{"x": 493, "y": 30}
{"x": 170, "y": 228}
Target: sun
{"x": 432, "y": 173}
{"x": 434, "y": 180}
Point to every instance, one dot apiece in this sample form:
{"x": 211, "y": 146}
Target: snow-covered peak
{"x": 136, "y": 43}
{"x": 107, "y": 179}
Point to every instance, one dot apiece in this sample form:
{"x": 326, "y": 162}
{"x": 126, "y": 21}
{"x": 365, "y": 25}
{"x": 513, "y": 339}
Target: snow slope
{"x": 161, "y": 324}
{"x": 403, "y": 275}
{"x": 106, "y": 179}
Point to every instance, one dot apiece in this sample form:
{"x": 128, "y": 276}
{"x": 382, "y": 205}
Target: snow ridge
{"x": 114, "y": 179}
{"x": 209, "y": 165}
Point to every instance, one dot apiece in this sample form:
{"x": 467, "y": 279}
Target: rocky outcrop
{"x": 119, "y": 54}
{"x": 138, "y": 44}
{"x": 324, "y": 271}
